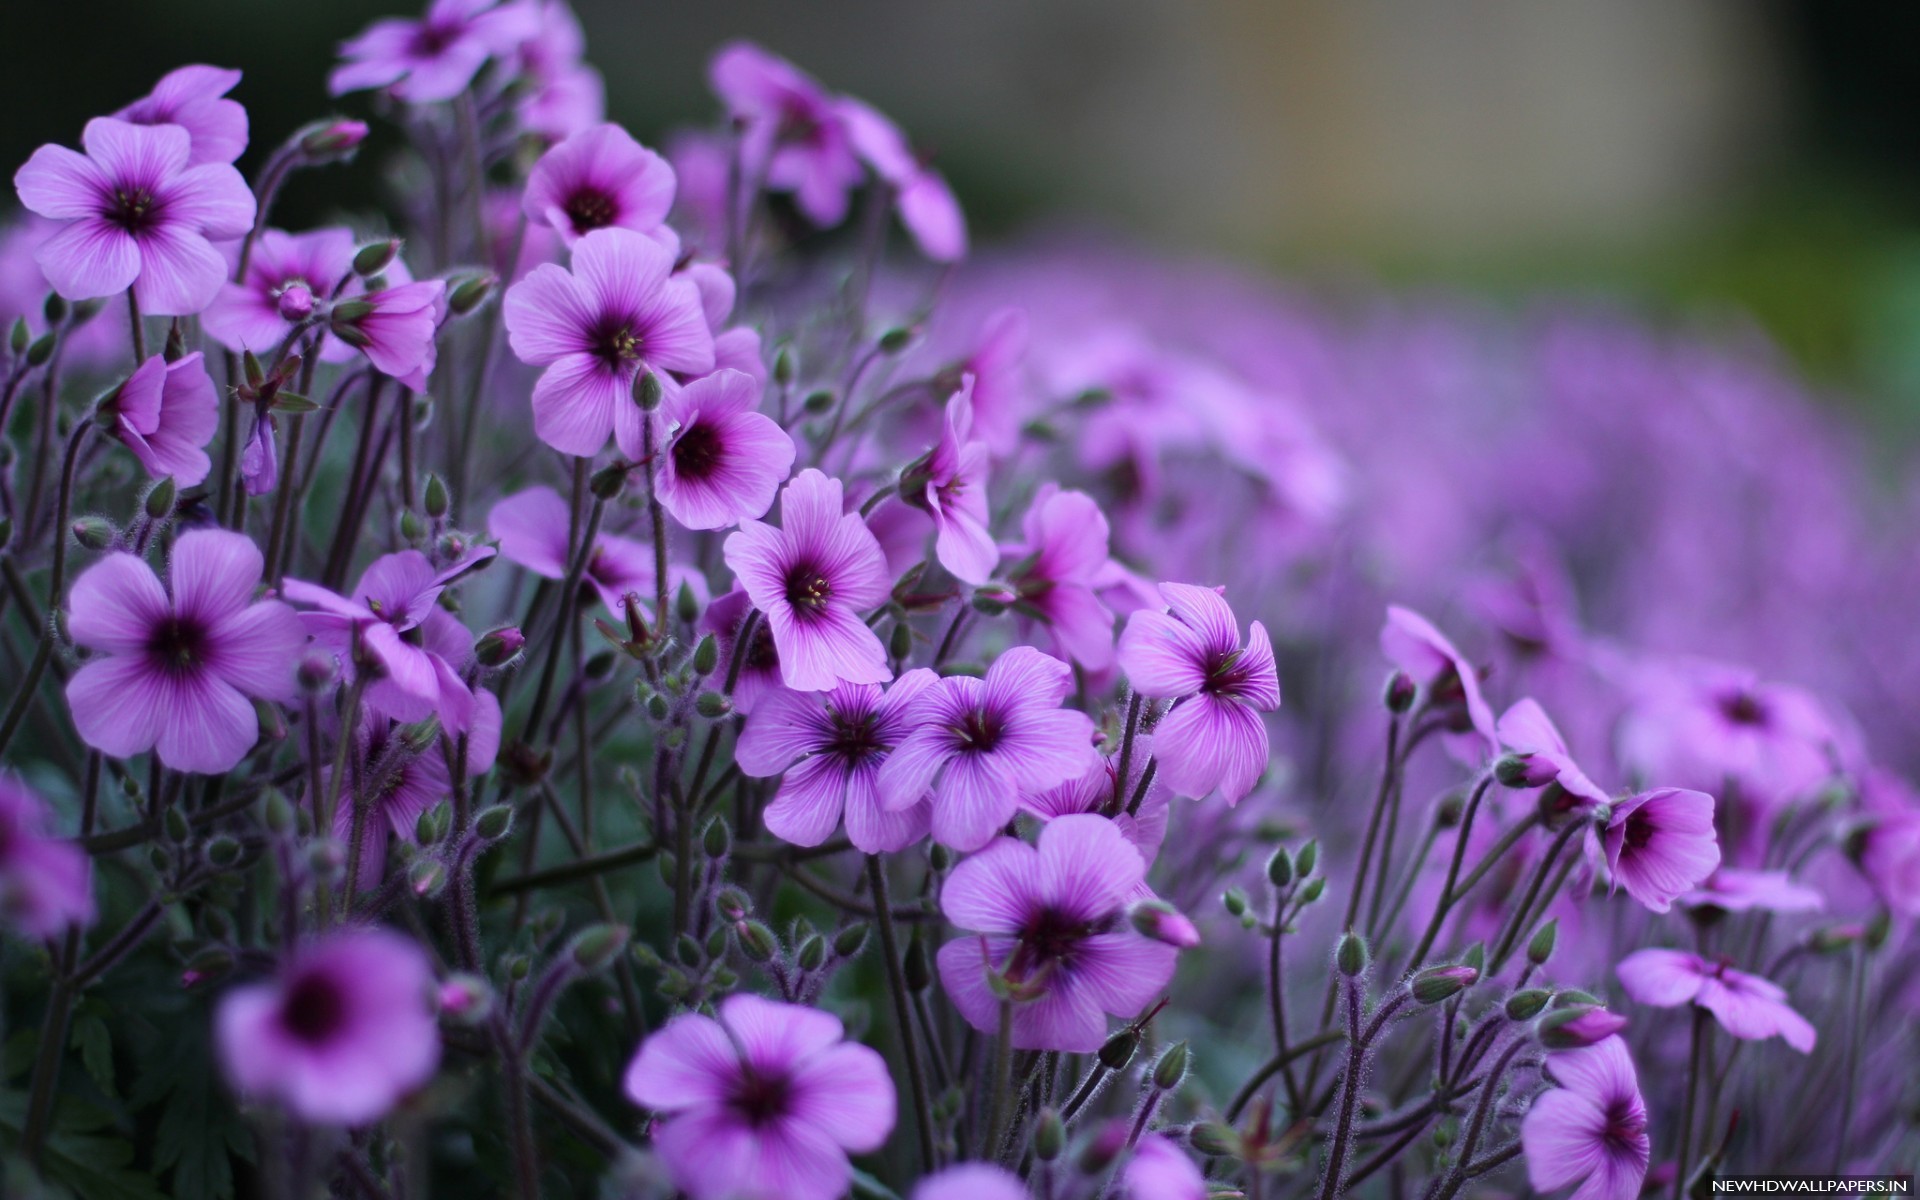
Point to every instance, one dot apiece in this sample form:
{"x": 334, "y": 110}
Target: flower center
{"x": 1640, "y": 829}
{"x": 178, "y": 644}
{"x": 431, "y": 39}
{"x": 979, "y": 731}
{"x": 314, "y": 1010}
{"x": 809, "y": 591}
{"x": 854, "y": 738}
{"x": 697, "y": 452}
{"x": 1625, "y": 1127}
{"x": 589, "y": 208}
{"x": 134, "y": 208}
{"x": 761, "y": 1098}
{"x": 1742, "y": 708}
{"x": 1050, "y": 938}
{"x": 1225, "y": 672}
{"x": 616, "y": 343}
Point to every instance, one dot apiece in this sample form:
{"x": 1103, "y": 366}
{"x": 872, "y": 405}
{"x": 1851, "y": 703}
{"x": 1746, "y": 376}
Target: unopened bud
{"x": 1540, "y": 946}
{"x": 499, "y": 647}
{"x": 609, "y": 481}
{"x": 812, "y": 954}
{"x": 1350, "y": 956}
{"x": 95, "y": 533}
{"x": 210, "y": 962}
{"x": 19, "y": 337}
{"x": 1106, "y": 1146}
{"x": 1400, "y": 692}
{"x": 706, "y": 655}
{"x": 850, "y": 941}
{"x": 174, "y": 822}
{"x": 374, "y": 257}
{"x": 786, "y": 365}
{"x": 1117, "y": 1051}
{"x": 317, "y": 671}
{"x": 646, "y": 391}
{"x": 596, "y": 946}
{"x": 718, "y": 839}
{"x": 1308, "y": 858}
{"x": 1574, "y": 1028}
{"x": 756, "y": 940}
{"x": 818, "y": 402}
{"x": 732, "y": 904}
{"x": 1234, "y": 900}
{"x": 325, "y": 141}
{"x": 222, "y": 851}
{"x": 494, "y": 823}
{"x": 1214, "y": 1139}
{"x": 434, "y": 498}
{"x": 159, "y": 502}
{"x": 1280, "y": 868}
{"x": 426, "y": 876}
{"x": 1162, "y": 922}
{"x": 713, "y": 705}
{"x": 686, "y": 605}
{"x": 55, "y": 309}
{"x": 1311, "y": 892}
{"x": 1171, "y": 1067}
{"x": 1528, "y": 1004}
{"x": 433, "y": 824}
{"x": 276, "y": 811}
{"x": 900, "y": 644}
{"x": 470, "y": 293}
{"x": 894, "y": 340}
{"x": 1436, "y": 984}
{"x": 295, "y": 302}
{"x": 466, "y": 999}
{"x": 1049, "y": 1136}
{"x": 41, "y": 350}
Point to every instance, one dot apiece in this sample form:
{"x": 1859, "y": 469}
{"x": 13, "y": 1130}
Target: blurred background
{"x": 1753, "y": 156}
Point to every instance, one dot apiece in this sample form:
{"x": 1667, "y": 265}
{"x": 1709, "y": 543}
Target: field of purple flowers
{"x": 665, "y": 672}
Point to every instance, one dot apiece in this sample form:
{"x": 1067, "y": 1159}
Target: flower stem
{"x": 137, "y": 329}
{"x": 902, "y": 1011}
{"x": 1696, "y": 1057}
{"x": 1349, "y": 1096}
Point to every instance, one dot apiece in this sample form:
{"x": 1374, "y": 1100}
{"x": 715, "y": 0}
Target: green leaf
{"x": 199, "y": 1128}
{"x": 91, "y": 1166}
{"x": 95, "y": 1042}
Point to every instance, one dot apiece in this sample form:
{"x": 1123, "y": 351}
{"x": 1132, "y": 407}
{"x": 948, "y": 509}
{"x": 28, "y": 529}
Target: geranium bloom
{"x": 436, "y": 57}
{"x": 46, "y": 884}
{"x": 795, "y": 134}
{"x": 1213, "y": 738}
{"x": 396, "y": 327}
{"x": 600, "y": 178}
{"x": 1412, "y": 644}
{"x": 166, "y": 413}
{"x": 137, "y": 214}
{"x": 812, "y": 578}
{"x": 619, "y": 313}
{"x": 288, "y": 279}
{"x": 760, "y": 673}
{"x": 981, "y": 745}
{"x": 1160, "y": 1170}
{"x": 921, "y": 197}
{"x": 399, "y": 784}
{"x": 194, "y": 98}
{"x": 174, "y": 673}
{"x": 564, "y": 94}
{"x": 1746, "y": 1006}
{"x": 1093, "y": 792}
{"x": 763, "y": 1103}
{"x": 1051, "y": 919}
{"x": 1530, "y": 733}
{"x": 1890, "y": 841}
{"x": 722, "y": 459}
{"x": 951, "y": 485}
{"x": 1661, "y": 844}
{"x": 831, "y": 746}
{"x": 392, "y": 617}
{"x": 1591, "y": 1130}
{"x": 1732, "y": 889}
{"x": 531, "y": 527}
{"x": 971, "y": 1181}
{"x": 341, "y": 1034}
{"x": 1055, "y": 571}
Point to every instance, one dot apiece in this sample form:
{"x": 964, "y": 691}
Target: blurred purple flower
{"x": 166, "y": 413}
{"x": 1526, "y": 730}
{"x": 1732, "y": 889}
{"x": 1661, "y": 844}
{"x": 194, "y": 98}
{"x": 437, "y": 56}
{"x": 1160, "y": 1170}
{"x": 920, "y": 195}
{"x": 971, "y": 1181}
{"x": 795, "y": 137}
{"x": 564, "y": 95}
{"x": 1055, "y": 570}
{"x": 46, "y": 884}
{"x": 1746, "y": 1006}
{"x": 1591, "y": 1129}
{"x": 1412, "y": 644}
{"x": 531, "y": 527}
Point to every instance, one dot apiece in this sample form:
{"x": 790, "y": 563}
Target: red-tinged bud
{"x": 328, "y": 141}
{"x": 499, "y": 647}
{"x": 295, "y": 302}
{"x": 1574, "y": 1028}
{"x": 1436, "y": 984}
{"x": 465, "y": 999}
{"x": 1163, "y": 922}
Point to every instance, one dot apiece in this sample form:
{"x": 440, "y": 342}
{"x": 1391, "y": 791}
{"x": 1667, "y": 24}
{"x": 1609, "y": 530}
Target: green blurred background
{"x": 1697, "y": 156}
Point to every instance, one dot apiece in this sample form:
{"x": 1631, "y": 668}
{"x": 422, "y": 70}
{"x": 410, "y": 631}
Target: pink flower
{"x": 999, "y": 386}
{"x": 1889, "y": 847}
{"x": 1056, "y": 569}
{"x": 760, "y": 667}
{"x": 600, "y": 178}
{"x": 194, "y": 98}
{"x": 1732, "y": 889}
{"x": 1052, "y": 920}
{"x": 436, "y": 57}
{"x": 531, "y": 527}
{"x": 795, "y": 132}
{"x": 619, "y": 313}
{"x": 46, "y": 883}
{"x": 1412, "y": 644}
{"x": 400, "y": 783}
{"x": 137, "y": 214}
{"x": 812, "y": 578}
{"x": 971, "y": 1181}
{"x": 1160, "y": 1170}
{"x": 982, "y": 746}
{"x": 1093, "y": 792}
{"x": 166, "y": 412}
{"x": 951, "y": 485}
{"x": 763, "y": 1103}
{"x": 830, "y": 747}
{"x": 175, "y": 672}
{"x": 1530, "y": 733}
{"x": 1661, "y": 844}
{"x": 395, "y": 327}
{"x": 288, "y": 279}
{"x": 564, "y": 94}
{"x": 1591, "y": 1129}
{"x": 340, "y": 1035}
{"x": 1746, "y": 1006}
{"x": 722, "y": 459}
{"x": 921, "y": 197}
{"x": 1214, "y": 738}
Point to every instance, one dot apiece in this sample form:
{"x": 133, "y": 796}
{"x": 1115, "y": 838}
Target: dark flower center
{"x": 979, "y": 731}
{"x": 1625, "y": 1127}
{"x": 1640, "y": 829}
{"x": 1050, "y": 939}
{"x": 431, "y": 40}
{"x": 615, "y": 342}
{"x": 761, "y": 1098}
{"x": 1742, "y": 708}
{"x": 762, "y": 654}
{"x": 589, "y": 208}
{"x": 697, "y": 452}
{"x": 854, "y": 738}
{"x": 1227, "y": 672}
{"x": 315, "y": 1009}
{"x": 134, "y": 208}
{"x": 178, "y": 644}
{"x": 808, "y": 590}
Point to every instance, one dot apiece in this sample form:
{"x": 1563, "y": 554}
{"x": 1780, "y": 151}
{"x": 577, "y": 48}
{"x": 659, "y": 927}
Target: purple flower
{"x": 795, "y": 133}
{"x": 812, "y": 578}
{"x": 1056, "y": 569}
{"x": 1160, "y": 1170}
{"x": 831, "y": 746}
{"x": 981, "y": 746}
{"x": 620, "y": 312}
{"x": 760, "y": 673}
{"x": 722, "y": 460}
{"x": 436, "y": 57}
{"x": 194, "y": 98}
{"x": 340, "y": 1035}
{"x": 1661, "y": 844}
{"x": 1746, "y": 1006}
{"x": 951, "y": 485}
{"x": 259, "y": 460}
{"x": 1530, "y": 733}
{"x": 289, "y": 277}
{"x": 971, "y": 1181}
{"x": 137, "y": 214}
{"x": 564, "y": 94}
{"x": 763, "y": 1103}
{"x": 1213, "y": 738}
{"x": 1093, "y": 792}
{"x": 166, "y": 412}
{"x": 392, "y": 621}
{"x": 398, "y": 782}
{"x": 600, "y": 178}
{"x": 1591, "y": 1130}
{"x": 174, "y": 673}
{"x": 1412, "y": 644}
{"x": 46, "y": 884}
{"x": 1889, "y": 851}
{"x": 921, "y": 197}
{"x": 1732, "y": 889}
{"x": 531, "y": 527}
{"x": 396, "y": 327}
{"x": 1052, "y": 920}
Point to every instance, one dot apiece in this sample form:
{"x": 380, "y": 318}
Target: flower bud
{"x": 646, "y": 391}
{"x": 1528, "y": 1004}
{"x": 1523, "y": 771}
{"x": 433, "y": 824}
{"x": 1574, "y": 1028}
{"x": 465, "y": 999}
{"x": 41, "y": 350}
{"x": 706, "y": 655}
{"x": 818, "y": 402}
{"x": 159, "y": 502}
{"x": 1117, "y": 1051}
{"x": 276, "y": 811}
{"x": 916, "y": 965}
{"x": 326, "y": 141}
{"x": 756, "y": 941}
{"x": 1049, "y": 1136}
{"x": 19, "y": 338}
{"x": 812, "y": 954}
{"x": 498, "y": 647}
{"x": 1104, "y": 1148}
{"x": 95, "y": 533}
{"x": 317, "y": 672}
{"x": 609, "y": 481}
{"x": 518, "y": 966}
{"x": 1214, "y": 1139}
{"x": 434, "y": 497}
{"x": 210, "y": 962}
{"x": 596, "y": 946}
{"x": 55, "y": 309}
{"x": 732, "y": 904}
{"x": 1400, "y": 692}
{"x": 713, "y": 705}
{"x": 426, "y": 876}
{"x": 850, "y": 941}
{"x": 1308, "y": 858}
{"x": 1313, "y": 889}
{"x": 1162, "y": 922}
{"x": 1234, "y": 900}
{"x": 174, "y": 823}
{"x": 658, "y": 707}
{"x": 1436, "y": 984}
{"x": 494, "y": 823}
{"x": 1280, "y": 868}
{"x": 470, "y": 293}
{"x": 1350, "y": 956}
{"x": 1540, "y": 946}
{"x": 295, "y": 302}
{"x": 1171, "y": 1067}
{"x": 718, "y": 839}
{"x": 222, "y": 851}
{"x": 939, "y": 858}
{"x": 686, "y": 605}
{"x": 894, "y": 340}
{"x": 370, "y": 260}
{"x": 900, "y": 643}
{"x": 1567, "y": 997}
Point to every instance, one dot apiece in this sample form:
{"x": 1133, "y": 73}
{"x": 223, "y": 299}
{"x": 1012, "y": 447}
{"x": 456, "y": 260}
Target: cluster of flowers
{"x": 863, "y": 626}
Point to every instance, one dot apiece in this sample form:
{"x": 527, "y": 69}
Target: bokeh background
{"x": 1756, "y": 157}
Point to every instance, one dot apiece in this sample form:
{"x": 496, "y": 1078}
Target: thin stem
{"x": 1696, "y": 1056}
{"x": 902, "y": 1011}
{"x": 1274, "y": 1065}
{"x": 1517, "y": 924}
{"x": 137, "y": 329}
{"x": 1349, "y": 1095}
{"x": 1000, "y": 1081}
{"x": 1277, "y": 999}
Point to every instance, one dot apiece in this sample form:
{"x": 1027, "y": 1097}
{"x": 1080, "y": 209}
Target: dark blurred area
{"x": 1698, "y": 155}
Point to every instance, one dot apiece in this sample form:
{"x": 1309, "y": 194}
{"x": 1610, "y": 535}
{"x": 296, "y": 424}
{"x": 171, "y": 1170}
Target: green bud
{"x": 19, "y": 338}
{"x": 222, "y": 851}
{"x": 412, "y": 528}
{"x": 850, "y": 941}
{"x": 706, "y": 655}
{"x": 687, "y": 950}
{"x": 717, "y": 942}
{"x": 812, "y": 954}
{"x": 1049, "y": 1136}
{"x": 1280, "y": 868}
{"x": 786, "y": 365}
{"x": 433, "y": 824}
{"x": 732, "y": 904}
{"x": 375, "y": 257}
{"x": 894, "y": 340}
{"x": 756, "y": 941}
{"x": 596, "y": 946}
{"x": 1312, "y": 890}
{"x": 1571, "y": 996}
{"x": 209, "y": 962}
{"x": 55, "y": 308}
{"x": 713, "y": 705}
{"x": 470, "y": 293}
{"x": 426, "y": 876}
{"x": 1235, "y": 901}
{"x": 1436, "y": 984}
{"x": 1117, "y": 1051}
{"x": 940, "y": 858}
{"x": 277, "y": 811}
{"x": 609, "y": 481}
{"x": 1308, "y": 858}
{"x": 498, "y": 647}
{"x": 434, "y": 497}
{"x": 818, "y": 402}
{"x": 646, "y": 391}
{"x": 1526, "y": 1005}
{"x": 519, "y": 966}
{"x": 1350, "y": 956}
{"x": 159, "y": 502}
{"x": 95, "y": 533}
{"x": 915, "y": 965}
{"x": 1171, "y": 1067}
{"x": 657, "y": 707}
{"x": 494, "y": 823}
{"x": 1214, "y": 1139}
{"x": 175, "y": 823}
{"x": 900, "y": 644}
{"x": 1575, "y": 1028}
{"x": 41, "y": 350}
{"x": 686, "y": 605}
{"x": 1540, "y": 946}
{"x": 1400, "y": 692}
{"x": 718, "y": 838}
{"x": 1475, "y": 956}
